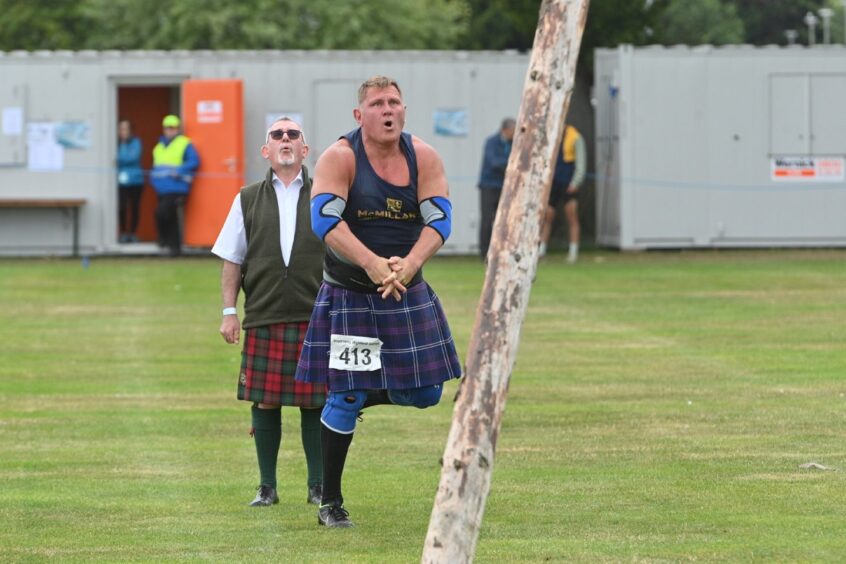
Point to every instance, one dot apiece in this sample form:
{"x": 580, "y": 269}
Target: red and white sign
{"x": 808, "y": 169}
{"x": 210, "y": 111}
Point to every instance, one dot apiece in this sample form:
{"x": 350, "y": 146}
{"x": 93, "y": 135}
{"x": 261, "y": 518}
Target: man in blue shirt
{"x": 175, "y": 162}
{"x": 494, "y": 162}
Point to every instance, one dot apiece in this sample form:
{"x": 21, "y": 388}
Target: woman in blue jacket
{"x": 130, "y": 181}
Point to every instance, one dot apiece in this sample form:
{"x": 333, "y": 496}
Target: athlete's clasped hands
{"x": 395, "y": 284}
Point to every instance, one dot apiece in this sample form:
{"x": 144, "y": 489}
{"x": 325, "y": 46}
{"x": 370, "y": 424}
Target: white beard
{"x": 287, "y": 161}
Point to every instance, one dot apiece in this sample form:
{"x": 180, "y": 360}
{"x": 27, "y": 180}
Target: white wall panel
{"x": 320, "y": 84}
{"x": 699, "y": 129}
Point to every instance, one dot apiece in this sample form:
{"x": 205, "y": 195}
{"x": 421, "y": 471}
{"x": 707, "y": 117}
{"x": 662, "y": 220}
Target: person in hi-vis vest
{"x": 569, "y": 175}
{"x": 175, "y": 161}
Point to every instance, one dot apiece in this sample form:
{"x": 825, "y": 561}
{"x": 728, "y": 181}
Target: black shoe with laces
{"x": 315, "y": 494}
{"x": 334, "y": 516}
{"x": 264, "y": 497}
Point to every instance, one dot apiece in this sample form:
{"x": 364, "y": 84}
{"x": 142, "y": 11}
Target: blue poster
{"x": 73, "y": 134}
{"x": 451, "y": 123}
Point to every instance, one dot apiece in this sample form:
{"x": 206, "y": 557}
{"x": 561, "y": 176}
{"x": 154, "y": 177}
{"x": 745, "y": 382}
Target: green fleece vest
{"x": 276, "y": 292}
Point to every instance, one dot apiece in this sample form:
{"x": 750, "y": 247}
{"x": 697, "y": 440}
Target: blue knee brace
{"x": 341, "y": 410}
{"x": 427, "y": 396}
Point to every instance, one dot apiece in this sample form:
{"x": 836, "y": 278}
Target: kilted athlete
{"x": 378, "y": 333}
{"x": 267, "y": 247}
{"x": 568, "y": 177}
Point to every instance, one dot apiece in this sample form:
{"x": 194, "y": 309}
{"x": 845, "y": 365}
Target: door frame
{"x": 108, "y": 192}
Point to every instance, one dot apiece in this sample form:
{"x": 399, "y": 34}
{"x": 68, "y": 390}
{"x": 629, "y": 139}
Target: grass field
{"x": 660, "y": 409}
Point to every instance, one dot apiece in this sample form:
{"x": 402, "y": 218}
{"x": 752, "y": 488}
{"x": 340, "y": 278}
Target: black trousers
{"x": 168, "y": 212}
{"x": 488, "y": 202}
{"x": 129, "y": 204}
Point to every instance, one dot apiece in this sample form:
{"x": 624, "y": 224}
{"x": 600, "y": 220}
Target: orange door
{"x": 213, "y": 118}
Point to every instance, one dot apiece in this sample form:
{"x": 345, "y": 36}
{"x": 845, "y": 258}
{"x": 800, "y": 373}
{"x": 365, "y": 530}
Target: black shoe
{"x": 334, "y": 516}
{"x": 315, "y": 494}
{"x": 266, "y": 496}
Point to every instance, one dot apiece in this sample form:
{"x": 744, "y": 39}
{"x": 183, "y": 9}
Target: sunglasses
{"x": 277, "y": 134}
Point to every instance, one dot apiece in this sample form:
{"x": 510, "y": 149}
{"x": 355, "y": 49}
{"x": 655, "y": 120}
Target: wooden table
{"x": 66, "y": 205}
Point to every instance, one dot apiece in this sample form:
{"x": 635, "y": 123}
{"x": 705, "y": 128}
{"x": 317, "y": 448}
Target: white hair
{"x": 283, "y": 118}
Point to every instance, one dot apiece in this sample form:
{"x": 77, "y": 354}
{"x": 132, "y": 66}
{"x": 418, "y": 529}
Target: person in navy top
{"x": 491, "y": 177}
{"x": 378, "y": 333}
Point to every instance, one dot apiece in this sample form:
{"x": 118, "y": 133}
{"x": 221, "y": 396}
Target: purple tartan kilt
{"x": 417, "y": 348}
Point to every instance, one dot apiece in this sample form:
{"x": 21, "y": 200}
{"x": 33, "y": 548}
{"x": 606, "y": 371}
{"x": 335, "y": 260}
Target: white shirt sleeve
{"x": 231, "y": 243}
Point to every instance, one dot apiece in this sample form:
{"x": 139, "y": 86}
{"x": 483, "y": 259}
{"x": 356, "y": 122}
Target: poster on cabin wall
{"x": 12, "y": 121}
{"x": 807, "y": 169}
{"x": 73, "y": 134}
{"x": 44, "y": 153}
{"x": 450, "y": 122}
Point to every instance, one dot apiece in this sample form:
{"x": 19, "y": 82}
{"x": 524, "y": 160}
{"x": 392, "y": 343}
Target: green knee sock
{"x": 310, "y": 425}
{"x": 268, "y": 436}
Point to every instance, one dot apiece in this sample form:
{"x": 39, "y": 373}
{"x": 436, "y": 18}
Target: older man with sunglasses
{"x": 268, "y": 248}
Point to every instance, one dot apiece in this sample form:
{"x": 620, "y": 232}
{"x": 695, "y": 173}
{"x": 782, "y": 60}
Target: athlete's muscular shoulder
{"x": 431, "y": 177}
{"x": 335, "y": 170}
{"x": 424, "y": 151}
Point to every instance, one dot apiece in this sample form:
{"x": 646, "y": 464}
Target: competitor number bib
{"x": 358, "y": 354}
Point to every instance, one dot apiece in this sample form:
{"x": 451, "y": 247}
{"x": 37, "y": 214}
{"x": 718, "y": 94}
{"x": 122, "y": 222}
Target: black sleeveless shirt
{"x": 384, "y": 217}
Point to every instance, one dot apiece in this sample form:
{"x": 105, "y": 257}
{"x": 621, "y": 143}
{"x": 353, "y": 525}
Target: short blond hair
{"x": 377, "y": 81}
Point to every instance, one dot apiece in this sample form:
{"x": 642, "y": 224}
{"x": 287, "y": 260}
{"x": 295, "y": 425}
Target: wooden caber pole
{"x": 512, "y": 260}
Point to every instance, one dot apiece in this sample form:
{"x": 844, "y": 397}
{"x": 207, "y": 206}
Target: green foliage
{"x": 220, "y": 24}
{"x": 766, "y": 20}
{"x": 511, "y": 24}
{"x": 47, "y": 24}
{"x": 702, "y": 22}
{"x": 615, "y": 22}
{"x": 390, "y": 24}
{"x": 659, "y": 410}
{"x": 501, "y": 24}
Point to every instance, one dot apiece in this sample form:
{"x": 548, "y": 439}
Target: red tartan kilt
{"x": 268, "y": 364}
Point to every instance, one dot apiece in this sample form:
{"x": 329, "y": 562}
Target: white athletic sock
{"x": 574, "y": 252}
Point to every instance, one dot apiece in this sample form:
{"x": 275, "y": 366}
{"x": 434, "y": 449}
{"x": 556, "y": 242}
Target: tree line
{"x": 391, "y": 24}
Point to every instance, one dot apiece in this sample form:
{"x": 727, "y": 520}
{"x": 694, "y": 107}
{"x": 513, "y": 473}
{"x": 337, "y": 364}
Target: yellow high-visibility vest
{"x": 568, "y": 147}
{"x": 172, "y": 154}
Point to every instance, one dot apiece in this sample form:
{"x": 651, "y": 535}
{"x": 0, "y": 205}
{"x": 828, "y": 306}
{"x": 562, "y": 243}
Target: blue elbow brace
{"x": 437, "y": 214}
{"x": 326, "y": 212}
